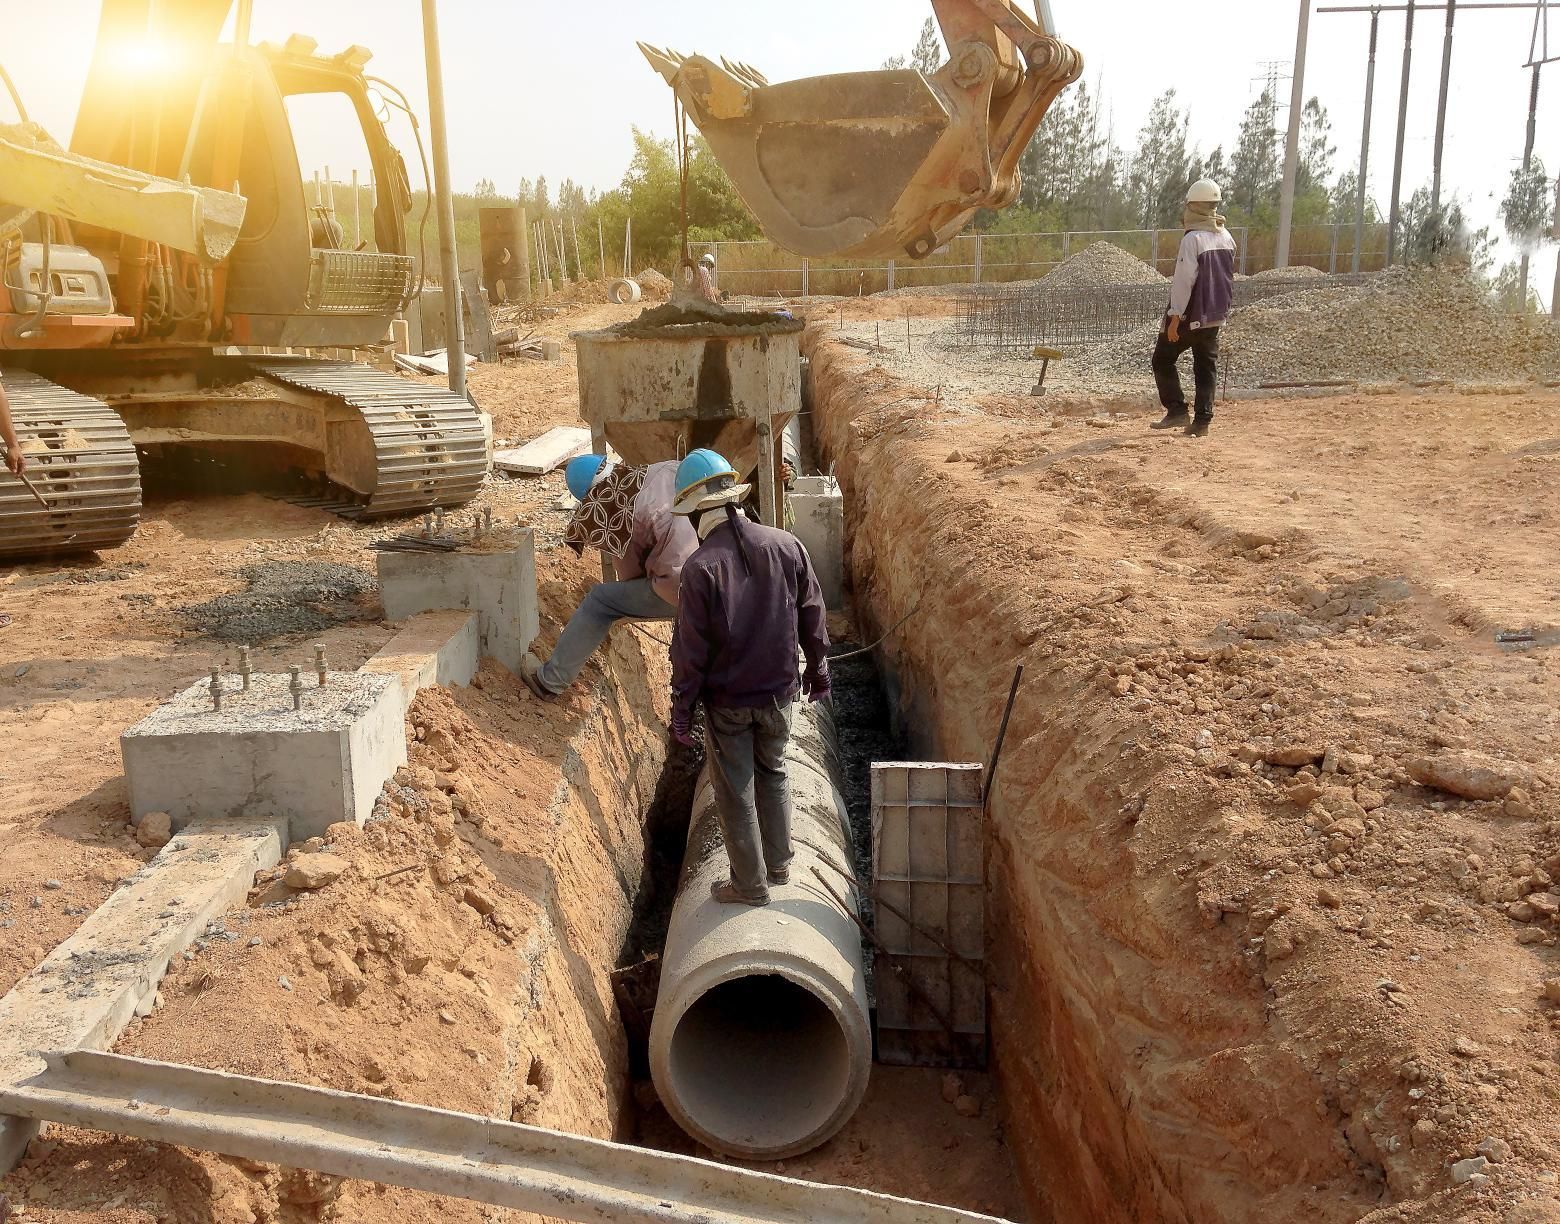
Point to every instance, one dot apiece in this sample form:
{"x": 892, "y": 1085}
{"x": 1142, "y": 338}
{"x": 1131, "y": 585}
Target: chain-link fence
{"x": 761, "y": 269}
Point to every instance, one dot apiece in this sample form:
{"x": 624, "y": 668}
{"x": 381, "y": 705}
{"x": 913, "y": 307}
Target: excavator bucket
{"x": 886, "y": 163}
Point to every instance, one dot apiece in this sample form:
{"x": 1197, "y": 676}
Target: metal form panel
{"x": 929, "y": 883}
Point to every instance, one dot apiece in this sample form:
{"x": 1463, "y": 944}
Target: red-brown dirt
{"x": 1246, "y": 966}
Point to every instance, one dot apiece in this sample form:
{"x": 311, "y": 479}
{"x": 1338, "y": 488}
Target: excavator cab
{"x": 219, "y": 115}
{"x": 885, "y": 163}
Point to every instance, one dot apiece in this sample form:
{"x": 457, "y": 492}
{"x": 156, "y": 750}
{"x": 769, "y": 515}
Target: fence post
{"x": 1245, "y": 241}
{"x": 891, "y": 274}
{"x": 1066, "y": 246}
{"x": 1153, "y": 249}
{"x": 978, "y": 255}
{"x": 804, "y": 276}
{"x": 1332, "y": 259}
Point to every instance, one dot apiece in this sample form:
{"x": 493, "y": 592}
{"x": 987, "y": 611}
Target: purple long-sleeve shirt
{"x": 738, "y": 633}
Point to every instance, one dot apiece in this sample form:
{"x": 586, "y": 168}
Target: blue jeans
{"x": 607, "y": 603}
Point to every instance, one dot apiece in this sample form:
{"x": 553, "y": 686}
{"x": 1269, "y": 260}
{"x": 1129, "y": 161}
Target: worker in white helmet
{"x": 1199, "y": 304}
{"x": 704, "y": 279}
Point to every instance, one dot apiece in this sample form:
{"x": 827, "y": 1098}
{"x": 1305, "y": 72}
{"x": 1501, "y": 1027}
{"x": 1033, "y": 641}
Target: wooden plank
{"x": 546, "y": 453}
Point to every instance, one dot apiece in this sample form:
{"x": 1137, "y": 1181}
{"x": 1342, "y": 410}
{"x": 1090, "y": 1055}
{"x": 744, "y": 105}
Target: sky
{"x": 552, "y": 89}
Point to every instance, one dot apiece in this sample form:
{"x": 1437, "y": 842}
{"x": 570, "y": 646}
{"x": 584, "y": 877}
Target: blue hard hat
{"x": 694, "y": 473}
{"x": 580, "y": 474}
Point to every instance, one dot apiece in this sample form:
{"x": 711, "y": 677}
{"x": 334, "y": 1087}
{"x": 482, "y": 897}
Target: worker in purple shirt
{"x": 1199, "y": 304}
{"x": 750, "y": 606}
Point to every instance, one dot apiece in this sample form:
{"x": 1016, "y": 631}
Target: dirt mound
{"x": 1101, "y": 263}
{"x": 285, "y": 597}
{"x": 654, "y": 284}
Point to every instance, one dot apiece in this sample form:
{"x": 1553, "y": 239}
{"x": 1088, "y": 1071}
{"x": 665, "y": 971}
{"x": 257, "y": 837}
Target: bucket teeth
{"x": 745, "y": 73}
{"x": 667, "y": 63}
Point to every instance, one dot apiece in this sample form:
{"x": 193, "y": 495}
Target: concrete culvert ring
{"x": 762, "y": 1064}
{"x": 624, "y": 292}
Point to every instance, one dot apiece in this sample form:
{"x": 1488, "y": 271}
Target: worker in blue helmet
{"x": 750, "y": 609}
{"x": 624, "y": 511}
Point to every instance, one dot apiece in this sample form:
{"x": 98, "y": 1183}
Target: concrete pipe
{"x": 623, "y": 291}
{"x": 761, "y": 1046}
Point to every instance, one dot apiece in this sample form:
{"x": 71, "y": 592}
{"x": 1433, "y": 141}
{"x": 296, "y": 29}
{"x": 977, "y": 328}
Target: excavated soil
{"x": 462, "y": 958}
{"x": 1246, "y": 967}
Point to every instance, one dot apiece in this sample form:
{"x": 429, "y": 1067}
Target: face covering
{"x": 1202, "y": 217}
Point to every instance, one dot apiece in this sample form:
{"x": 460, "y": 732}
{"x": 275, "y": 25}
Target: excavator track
{"x": 81, "y": 461}
{"x": 429, "y": 443}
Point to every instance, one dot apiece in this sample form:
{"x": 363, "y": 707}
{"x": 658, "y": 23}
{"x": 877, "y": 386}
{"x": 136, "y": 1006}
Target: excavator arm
{"x": 39, "y": 176}
{"x": 885, "y": 163}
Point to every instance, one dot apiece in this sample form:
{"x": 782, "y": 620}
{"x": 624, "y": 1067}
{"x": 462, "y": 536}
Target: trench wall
{"x": 1140, "y": 1079}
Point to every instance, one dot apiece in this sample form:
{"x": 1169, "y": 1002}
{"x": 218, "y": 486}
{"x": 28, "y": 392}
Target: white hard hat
{"x": 1204, "y": 191}
{"x": 707, "y": 259}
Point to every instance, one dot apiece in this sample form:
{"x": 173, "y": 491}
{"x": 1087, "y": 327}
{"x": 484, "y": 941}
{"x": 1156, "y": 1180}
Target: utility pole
{"x": 1402, "y": 129}
{"x": 1370, "y": 96}
{"x": 1286, "y": 203}
{"x": 1527, "y": 162}
{"x": 449, "y": 264}
{"x": 1554, "y": 300}
{"x": 1440, "y": 112}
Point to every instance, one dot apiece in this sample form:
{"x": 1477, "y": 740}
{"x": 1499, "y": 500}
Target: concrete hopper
{"x": 679, "y": 378}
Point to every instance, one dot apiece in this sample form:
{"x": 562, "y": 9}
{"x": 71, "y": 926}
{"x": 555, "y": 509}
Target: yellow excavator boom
{"x": 38, "y": 175}
{"x": 885, "y": 163}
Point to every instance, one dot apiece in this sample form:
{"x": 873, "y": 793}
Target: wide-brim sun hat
{"x": 706, "y": 498}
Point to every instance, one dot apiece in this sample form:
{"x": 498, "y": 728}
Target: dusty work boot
{"x": 1173, "y": 419}
{"x": 783, "y": 876}
{"x": 727, "y": 893}
{"x": 1198, "y": 428}
{"x": 531, "y": 673}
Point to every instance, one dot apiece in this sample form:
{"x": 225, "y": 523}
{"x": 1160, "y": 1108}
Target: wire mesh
{"x": 1018, "y": 319}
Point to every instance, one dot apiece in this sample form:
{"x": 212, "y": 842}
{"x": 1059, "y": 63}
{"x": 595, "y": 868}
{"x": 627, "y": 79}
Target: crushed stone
{"x": 285, "y": 598}
{"x": 1099, "y": 264}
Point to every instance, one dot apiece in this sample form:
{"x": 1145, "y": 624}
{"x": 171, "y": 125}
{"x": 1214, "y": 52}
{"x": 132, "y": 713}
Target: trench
{"x": 906, "y": 1138}
{"x": 1136, "y": 1073}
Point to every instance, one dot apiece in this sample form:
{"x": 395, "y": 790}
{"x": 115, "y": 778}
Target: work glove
{"x": 682, "y": 728}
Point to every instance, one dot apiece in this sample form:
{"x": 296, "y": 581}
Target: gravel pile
{"x": 1101, "y": 263}
{"x": 1404, "y": 325}
{"x": 285, "y": 598}
{"x": 1293, "y": 272}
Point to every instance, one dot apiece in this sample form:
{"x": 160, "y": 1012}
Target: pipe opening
{"x": 761, "y": 1062}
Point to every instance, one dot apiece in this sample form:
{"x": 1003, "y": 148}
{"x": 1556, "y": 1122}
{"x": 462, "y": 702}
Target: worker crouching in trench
{"x": 626, "y": 512}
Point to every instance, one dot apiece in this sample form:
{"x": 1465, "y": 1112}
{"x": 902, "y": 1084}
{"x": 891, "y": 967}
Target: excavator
{"x": 149, "y": 268}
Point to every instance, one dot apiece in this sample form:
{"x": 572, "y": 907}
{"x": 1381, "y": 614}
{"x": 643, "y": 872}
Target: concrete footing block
{"x": 497, "y": 583}
{"x": 258, "y": 757}
{"x": 89, "y": 987}
{"x": 439, "y": 649}
{"x": 818, "y": 507}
